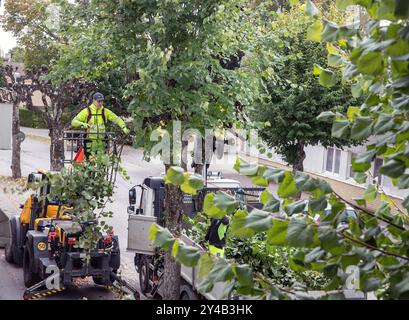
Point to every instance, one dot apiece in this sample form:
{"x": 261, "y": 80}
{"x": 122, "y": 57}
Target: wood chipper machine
{"x": 45, "y": 235}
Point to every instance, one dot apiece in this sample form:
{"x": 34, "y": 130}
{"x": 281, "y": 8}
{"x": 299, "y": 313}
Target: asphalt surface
{"x": 35, "y": 154}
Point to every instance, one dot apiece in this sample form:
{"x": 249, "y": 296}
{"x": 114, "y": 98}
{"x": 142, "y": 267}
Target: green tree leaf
{"x": 193, "y": 182}
{"x": 314, "y": 255}
{"x": 161, "y": 237}
{"x": 326, "y": 116}
{"x": 218, "y": 205}
{"x": 288, "y": 187}
{"x": 187, "y": 255}
{"x": 318, "y": 204}
{"x": 274, "y": 175}
{"x": 243, "y": 274}
{"x": 403, "y": 181}
{"x": 340, "y": 128}
{"x": 295, "y": 207}
{"x": 299, "y": 233}
{"x": 328, "y": 237}
{"x": 278, "y": 233}
{"x": 343, "y": 4}
{"x": 237, "y": 226}
{"x": 401, "y": 9}
{"x": 370, "y": 193}
{"x": 175, "y": 175}
{"x": 384, "y": 124}
{"x": 258, "y": 220}
{"x": 330, "y": 32}
{"x": 314, "y": 31}
{"x": 393, "y": 168}
{"x": 327, "y": 78}
{"x": 362, "y": 128}
{"x": 270, "y": 203}
{"x": 356, "y": 90}
{"x": 221, "y": 272}
{"x": 206, "y": 264}
{"x": 311, "y": 9}
{"x": 245, "y": 168}
{"x": 352, "y": 113}
{"x": 371, "y": 63}
{"x": 402, "y": 286}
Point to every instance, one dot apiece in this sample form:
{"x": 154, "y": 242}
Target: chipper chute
{"x": 4, "y": 228}
{"x": 7, "y": 212}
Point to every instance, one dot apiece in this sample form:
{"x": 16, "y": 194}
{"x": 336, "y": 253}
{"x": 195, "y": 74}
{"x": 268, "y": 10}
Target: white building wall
{"x": 315, "y": 162}
{"x": 6, "y": 119}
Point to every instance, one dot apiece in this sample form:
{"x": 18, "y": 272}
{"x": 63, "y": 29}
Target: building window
{"x": 333, "y": 160}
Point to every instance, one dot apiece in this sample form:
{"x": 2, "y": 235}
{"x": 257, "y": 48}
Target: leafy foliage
{"x": 270, "y": 260}
{"x": 86, "y": 189}
{"x": 32, "y": 23}
{"x": 292, "y": 97}
{"x": 39, "y": 33}
{"x": 181, "y": 60}
{"x": 176, "y": 60}
{"x": 331, "y": 240}
{"x": 202, "y": 63}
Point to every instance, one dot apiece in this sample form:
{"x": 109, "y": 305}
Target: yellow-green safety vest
{"x": 97, "y": 124}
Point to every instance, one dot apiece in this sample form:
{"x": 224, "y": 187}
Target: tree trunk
{"x": 201, "y": 159}
{"x": 173, "y": 221}
{"x": 173, "y": 201}
{"x": 16, "y": 142}
{"x": 326, "y": 5}
{"x": 56, "y": 148}
{"x": 363, "y": 20}
{"x": 199, "y": 169}
{"x": 299, "y": 163}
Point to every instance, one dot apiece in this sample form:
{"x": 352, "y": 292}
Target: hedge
{"x": 31, "y": 119}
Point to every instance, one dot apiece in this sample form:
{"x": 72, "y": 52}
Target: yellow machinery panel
{"x": 52, "y": 211}
{"x": 25, "y": 213}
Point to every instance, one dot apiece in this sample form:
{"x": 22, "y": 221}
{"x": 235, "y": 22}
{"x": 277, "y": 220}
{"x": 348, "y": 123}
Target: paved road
{"x": 35, "y": 154}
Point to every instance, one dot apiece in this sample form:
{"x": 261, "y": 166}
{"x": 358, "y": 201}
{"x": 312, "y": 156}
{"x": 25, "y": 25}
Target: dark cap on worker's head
{"x": 98, "y": 96}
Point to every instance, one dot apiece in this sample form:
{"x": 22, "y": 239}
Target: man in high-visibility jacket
{"x": 216, "y": 235}
{"x": 93, "y": 119}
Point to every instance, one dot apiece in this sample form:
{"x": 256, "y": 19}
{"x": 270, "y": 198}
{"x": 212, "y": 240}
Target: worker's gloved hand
{"x": 85, "y": 126}
{"x": 126, "y": 130}
{"x": 95, "y": 128}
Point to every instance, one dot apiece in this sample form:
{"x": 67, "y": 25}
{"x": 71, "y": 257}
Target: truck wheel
{"x": 30, "y": 278}
{"x": 8, "y": 253}
{"x": 187, "y": 293}
{"x": 144, "y": 276}
{"x": 17, "y": 252}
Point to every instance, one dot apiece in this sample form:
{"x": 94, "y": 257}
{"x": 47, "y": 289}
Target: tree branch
{"x": 366, "y": 211}
{"x": 372, "y": 247}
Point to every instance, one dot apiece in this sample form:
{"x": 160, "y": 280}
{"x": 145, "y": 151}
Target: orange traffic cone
{"x": 79, "y": 157}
